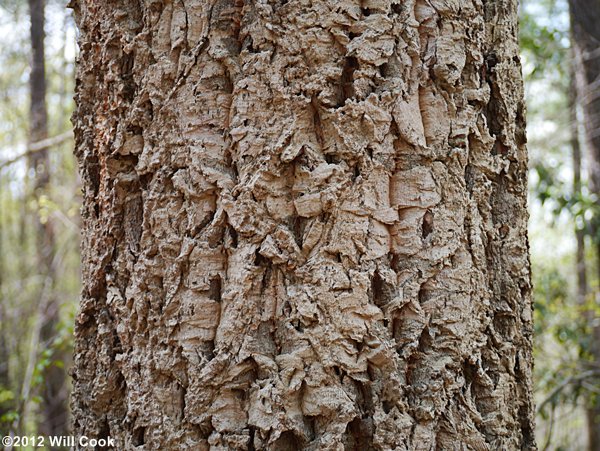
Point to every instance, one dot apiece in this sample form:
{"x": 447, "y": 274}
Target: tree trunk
{"x": 54, "y": 407}
{"x": 585, "y": 16}
{"x": 580, "y": 232}
{"x": 304, "y": 226}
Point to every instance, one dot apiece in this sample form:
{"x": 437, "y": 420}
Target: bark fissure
{"x": 325, "y": 233}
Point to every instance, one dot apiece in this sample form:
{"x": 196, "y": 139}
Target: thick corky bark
{"x": 305, "y": 226}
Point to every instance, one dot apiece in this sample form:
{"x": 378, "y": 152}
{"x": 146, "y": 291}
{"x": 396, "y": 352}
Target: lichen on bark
{"x": 304, "y": 226}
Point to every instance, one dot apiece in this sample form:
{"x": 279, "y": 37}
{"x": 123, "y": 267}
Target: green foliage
{"x": 545, "y": 47}
{"x": 7, "y": 413}
{"x": 582, "y": 206}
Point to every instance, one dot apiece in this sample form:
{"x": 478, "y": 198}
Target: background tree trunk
{"x": 54, "y": 406}
{"x": 304, "y": 226}
{"x": 580, "y": 233}
{"x": 585, "y": 16}
{"x": 580, "y": 259}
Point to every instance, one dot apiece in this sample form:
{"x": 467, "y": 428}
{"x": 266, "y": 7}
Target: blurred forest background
{"x": 40, "y": 197}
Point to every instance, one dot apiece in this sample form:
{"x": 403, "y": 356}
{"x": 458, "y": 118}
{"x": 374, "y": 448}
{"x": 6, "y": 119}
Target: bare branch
{"x": 569, "y": 380}
{"x": 37, "y": 147}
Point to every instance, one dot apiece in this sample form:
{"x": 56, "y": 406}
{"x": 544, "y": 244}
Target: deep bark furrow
{"x": 307, "y": 265}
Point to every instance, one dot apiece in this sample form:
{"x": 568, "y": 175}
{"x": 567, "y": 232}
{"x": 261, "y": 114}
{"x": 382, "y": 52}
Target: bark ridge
{"x": 305, "y": 226}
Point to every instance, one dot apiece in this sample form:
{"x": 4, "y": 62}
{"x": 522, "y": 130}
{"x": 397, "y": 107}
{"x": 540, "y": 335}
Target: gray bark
{"x": 304, "y": 226}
